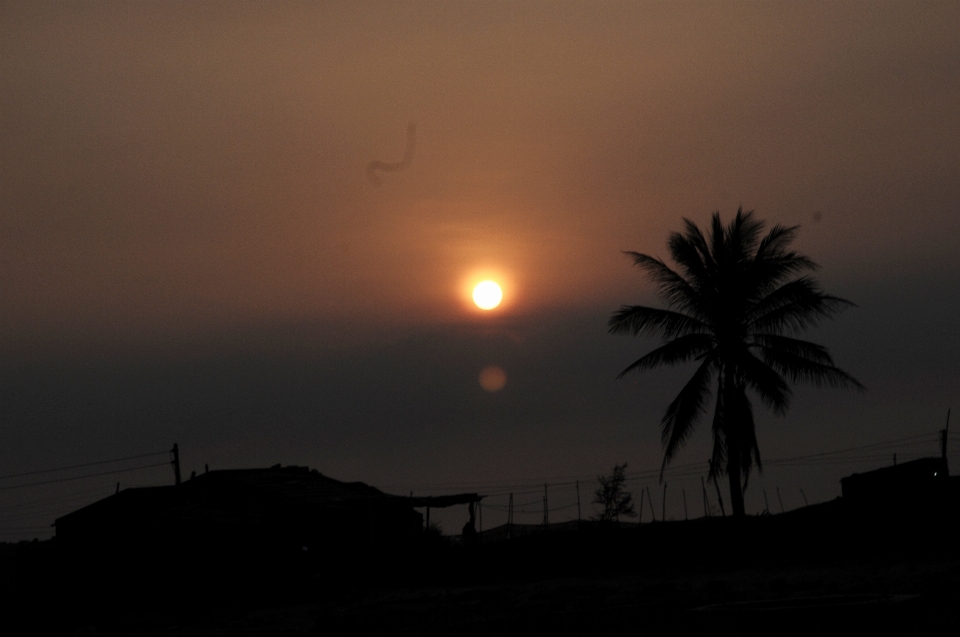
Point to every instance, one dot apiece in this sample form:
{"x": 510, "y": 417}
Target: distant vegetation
{"x": 735, "y": 304}
{"x": 611, "y": 495}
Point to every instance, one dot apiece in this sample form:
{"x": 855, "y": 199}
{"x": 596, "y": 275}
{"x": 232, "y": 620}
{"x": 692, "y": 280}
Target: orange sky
{"x": 170, "y": 167}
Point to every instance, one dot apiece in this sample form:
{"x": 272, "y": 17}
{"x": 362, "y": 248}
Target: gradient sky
{"x": 191, "y": 251}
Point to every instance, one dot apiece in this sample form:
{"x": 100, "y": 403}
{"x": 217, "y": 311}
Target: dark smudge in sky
{"x": 383, "y": 166}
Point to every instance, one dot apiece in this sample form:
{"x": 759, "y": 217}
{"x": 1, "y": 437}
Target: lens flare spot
{"x": 492, "y": 378}
{"x": 487, "y": 295}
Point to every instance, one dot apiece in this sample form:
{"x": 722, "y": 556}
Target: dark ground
{"x": 667, "y": 579}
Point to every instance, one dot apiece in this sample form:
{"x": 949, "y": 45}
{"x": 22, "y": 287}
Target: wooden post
{"x": 653, "y": 516}
{"x": 664, "y": 515}
{"x": 706, "y": 503}
{"x": 684, "y": 491}
{"x": 723, "y": 511}
{"x": 780, "y": 499}
{"x": 546, "y": 508}
{"x": 805, "y": 503}
{"x": 176, "y": 464}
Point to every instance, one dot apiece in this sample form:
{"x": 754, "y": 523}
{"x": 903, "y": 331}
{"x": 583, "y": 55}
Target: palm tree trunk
{"x": 731, "y": 426}
{"x": 736, "y": 491}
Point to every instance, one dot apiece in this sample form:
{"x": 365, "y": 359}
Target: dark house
{"x": 281, "y": 512}
{"x": 918, "y": 487}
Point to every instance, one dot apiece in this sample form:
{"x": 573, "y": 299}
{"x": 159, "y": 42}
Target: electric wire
{"x": 81, "y": 466}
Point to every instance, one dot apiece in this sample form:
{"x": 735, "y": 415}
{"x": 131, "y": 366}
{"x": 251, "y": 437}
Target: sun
{"x": 487, "y": 295}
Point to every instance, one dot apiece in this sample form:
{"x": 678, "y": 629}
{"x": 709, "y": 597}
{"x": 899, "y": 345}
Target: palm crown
{"x": 734, "y": 304}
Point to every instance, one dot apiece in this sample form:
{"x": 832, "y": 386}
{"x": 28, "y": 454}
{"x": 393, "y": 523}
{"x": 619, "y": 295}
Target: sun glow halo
{"x": 487, "y": 295}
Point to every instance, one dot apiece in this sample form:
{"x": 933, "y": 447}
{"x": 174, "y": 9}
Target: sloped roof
{"x": 239, "y": 489}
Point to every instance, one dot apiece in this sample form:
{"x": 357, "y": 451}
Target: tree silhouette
{"x": 612, "y": 497}
{"x": 733, "y": 304}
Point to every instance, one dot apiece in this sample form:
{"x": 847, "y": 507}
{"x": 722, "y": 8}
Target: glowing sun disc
{"x": 487, "y": 295}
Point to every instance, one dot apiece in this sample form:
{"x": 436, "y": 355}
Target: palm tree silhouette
{"x": 733, "y": 303}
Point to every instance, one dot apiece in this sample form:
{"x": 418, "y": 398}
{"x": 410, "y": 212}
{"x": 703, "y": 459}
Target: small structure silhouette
{"x": 280, "y": 512}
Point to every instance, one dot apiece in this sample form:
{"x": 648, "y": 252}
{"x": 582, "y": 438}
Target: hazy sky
{"x": 191, "y": 250}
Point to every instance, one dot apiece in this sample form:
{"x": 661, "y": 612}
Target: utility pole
{"x": 176, "y": 464}
{"x": 943, "y": 443}
{"x": 706, "y": 504}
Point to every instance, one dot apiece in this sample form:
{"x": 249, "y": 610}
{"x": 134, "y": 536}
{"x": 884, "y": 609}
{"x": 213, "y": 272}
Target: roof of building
{"x": 291, "y": 486}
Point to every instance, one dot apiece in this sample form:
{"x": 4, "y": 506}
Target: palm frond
{"x": 691, "y": 254}
{"x": 718, "y": 247}
{"x": 742, "y": 234}
{"x": 763, "y": 379}
{"x": 672, "y": 287}
{"x": 793, "y": 346}
{"x": 803, "y": 369}
{"x": 776, "y": 240}
{"x": 679, "y": 350}
{"x": 638, "y": 319}
{"x": 794, "y": 306}
{"x": 683, "y": 413}
{"x": 767, "y": 273}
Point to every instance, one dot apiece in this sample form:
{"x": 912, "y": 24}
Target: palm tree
{"x": 735, "y": 304}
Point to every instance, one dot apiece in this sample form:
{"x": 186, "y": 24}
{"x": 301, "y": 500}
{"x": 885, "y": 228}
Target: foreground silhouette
{"x": 733, "y": 304}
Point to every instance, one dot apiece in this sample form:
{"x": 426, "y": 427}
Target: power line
{"x": 89, "y": 475}
{"x": 80, "y": 466}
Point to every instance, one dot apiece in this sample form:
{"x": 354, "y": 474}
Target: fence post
{"x": 720, "y": 498}
{"x": 546, "y": 508}
{"x": 176, "y": 464}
